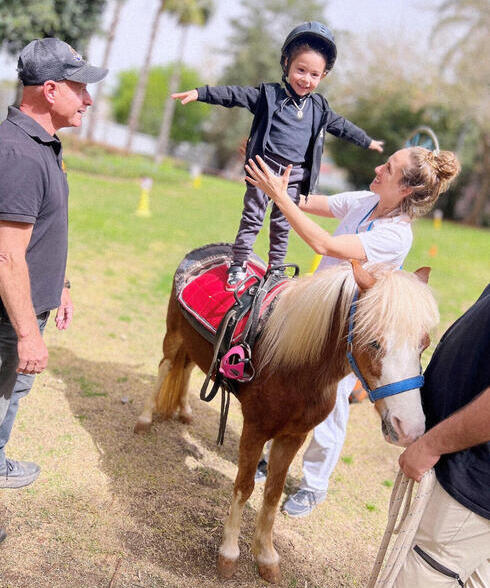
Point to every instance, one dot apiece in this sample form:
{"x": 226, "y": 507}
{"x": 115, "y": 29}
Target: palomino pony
{"x": 300, "y": 357}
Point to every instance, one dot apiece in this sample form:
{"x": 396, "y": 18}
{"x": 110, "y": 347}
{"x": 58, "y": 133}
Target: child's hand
{"x": 185, "y": 97}
{"x": 376, "y": 145}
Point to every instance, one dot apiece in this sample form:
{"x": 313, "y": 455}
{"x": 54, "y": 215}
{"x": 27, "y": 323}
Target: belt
{"x": 279, "y": 164}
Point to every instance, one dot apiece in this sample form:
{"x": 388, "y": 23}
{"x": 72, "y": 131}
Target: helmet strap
{"x": 290, "y": 91}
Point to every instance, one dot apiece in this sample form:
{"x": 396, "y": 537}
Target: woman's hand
{"x": 376, "y": 145}
{"x": 276, "y": 187}
{"x": 185, "y": 97}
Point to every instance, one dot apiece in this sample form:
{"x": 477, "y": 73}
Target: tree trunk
{"x": 169, "y": 108}
{"x": 139, "y": 94}
{"x": 475, "y": 216}
{"x": 94, "y": 112}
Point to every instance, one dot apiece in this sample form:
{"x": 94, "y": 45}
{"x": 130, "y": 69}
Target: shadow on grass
{"x": 166, "y": 479}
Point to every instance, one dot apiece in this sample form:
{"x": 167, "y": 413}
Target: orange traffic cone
{"x": 358, "y": 393}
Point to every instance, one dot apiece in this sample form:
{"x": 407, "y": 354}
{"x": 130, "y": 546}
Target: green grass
{"x": 103, "y": 221}
{"x": 89, "y": 389}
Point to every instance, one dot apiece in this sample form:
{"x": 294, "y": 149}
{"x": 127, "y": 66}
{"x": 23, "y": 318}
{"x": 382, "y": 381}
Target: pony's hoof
{"x": 270, "y": 573}
{"x": 226, "y": 567}
{"x": 185, "y": 418}
{"x": 142, "y": 426}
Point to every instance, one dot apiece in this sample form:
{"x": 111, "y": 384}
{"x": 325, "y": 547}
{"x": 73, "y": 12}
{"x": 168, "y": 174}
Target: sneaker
{"x": 261, "y": 473}
{"x": 3, "y": 534}
{"x": 16, "y": 474}
{"x": 303, "y": 502}
{"x": 236, "y": 274}
{"x": 277, "y": 270}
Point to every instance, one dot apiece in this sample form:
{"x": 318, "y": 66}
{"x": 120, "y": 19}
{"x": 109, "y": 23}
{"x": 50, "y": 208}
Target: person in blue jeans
{"x": 288, "y": 128}
{"x": 34, "y": 224}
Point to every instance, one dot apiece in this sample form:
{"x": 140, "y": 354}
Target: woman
{"x": 376, "y": 227}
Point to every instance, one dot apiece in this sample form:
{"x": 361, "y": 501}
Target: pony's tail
{"x": 171, "y": 384}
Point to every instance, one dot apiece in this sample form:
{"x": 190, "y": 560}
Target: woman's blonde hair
{"x": 429, "y": 176}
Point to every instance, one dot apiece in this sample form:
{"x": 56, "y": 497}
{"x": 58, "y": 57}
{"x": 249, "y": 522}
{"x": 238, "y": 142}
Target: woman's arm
{"x": 320, "y": 240}
{"x": 316, "y": 204}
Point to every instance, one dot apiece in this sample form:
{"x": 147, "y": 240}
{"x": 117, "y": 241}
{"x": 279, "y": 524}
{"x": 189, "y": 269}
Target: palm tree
{"x": 189, "y": 13}
{"x": 470, "y": 16}
{"x": 139, "y": 95}
{"x": 94, "y": 114}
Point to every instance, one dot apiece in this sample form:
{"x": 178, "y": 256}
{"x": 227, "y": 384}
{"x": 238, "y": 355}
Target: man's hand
{"x": 185, "y": 97}
{"x": 64, "y": 314}
{"x": 418, "y": 458}
{"x": 376, "y": 145}
{"x": 33, "y": 354}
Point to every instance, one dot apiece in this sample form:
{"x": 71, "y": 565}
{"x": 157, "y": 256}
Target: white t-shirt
{"x": 388, "y": 240}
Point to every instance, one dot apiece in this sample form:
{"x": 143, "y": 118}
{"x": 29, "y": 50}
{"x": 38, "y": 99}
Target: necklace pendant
{"x": 299, "y": 114}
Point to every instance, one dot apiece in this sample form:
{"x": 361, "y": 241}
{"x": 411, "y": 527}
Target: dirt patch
{"x": 114, "y": 509}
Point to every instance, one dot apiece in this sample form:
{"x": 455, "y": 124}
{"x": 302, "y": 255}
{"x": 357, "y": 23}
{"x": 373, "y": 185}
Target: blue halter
{"x": 382, "y": 391}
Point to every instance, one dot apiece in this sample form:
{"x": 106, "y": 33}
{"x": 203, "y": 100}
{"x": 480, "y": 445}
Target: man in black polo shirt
{"x": 34, "y": 224}
{"x": 452, "y": 543}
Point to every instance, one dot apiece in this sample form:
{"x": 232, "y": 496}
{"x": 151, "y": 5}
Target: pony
{"x": 380, "y": 315}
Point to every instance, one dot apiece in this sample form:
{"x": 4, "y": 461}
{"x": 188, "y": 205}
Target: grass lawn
{"x": 112, "y": 509}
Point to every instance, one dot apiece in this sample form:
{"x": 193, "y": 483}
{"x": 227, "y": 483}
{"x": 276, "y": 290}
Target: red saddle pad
{"x": 207, "y": 300}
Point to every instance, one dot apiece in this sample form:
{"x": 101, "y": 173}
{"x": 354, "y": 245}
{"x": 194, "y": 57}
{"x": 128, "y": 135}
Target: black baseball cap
{"x": 53, "y": 59}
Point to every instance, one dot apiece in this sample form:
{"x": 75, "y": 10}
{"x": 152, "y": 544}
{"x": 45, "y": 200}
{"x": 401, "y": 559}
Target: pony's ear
{"x": 423, "y": 274}
{"x": 362, "y": 277}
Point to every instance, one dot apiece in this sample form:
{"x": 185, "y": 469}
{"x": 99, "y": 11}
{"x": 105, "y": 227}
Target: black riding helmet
{"x": 313, "y": 30}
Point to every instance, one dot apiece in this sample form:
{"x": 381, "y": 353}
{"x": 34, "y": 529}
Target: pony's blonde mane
{"x": 301, "y": 322}
{"x": 399, "y": 303}
{"x": 302, "y": 318}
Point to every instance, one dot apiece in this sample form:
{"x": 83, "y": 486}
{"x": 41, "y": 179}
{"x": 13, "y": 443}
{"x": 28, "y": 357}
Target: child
{"x": 288, "y": 128}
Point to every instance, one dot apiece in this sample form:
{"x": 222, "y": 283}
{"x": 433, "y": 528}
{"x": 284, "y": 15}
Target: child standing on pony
{"x": 288, "y": 128}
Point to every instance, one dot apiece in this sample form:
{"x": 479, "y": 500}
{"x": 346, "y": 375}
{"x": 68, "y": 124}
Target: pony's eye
{"x": 375, "y": 345}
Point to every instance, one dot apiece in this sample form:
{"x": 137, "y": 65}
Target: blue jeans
{"x": 13, "y": 386}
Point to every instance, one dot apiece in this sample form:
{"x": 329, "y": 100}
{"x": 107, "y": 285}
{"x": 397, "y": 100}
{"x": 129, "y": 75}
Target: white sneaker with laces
{"x": 236, "y": 274}
{"x": 303, "y": 502}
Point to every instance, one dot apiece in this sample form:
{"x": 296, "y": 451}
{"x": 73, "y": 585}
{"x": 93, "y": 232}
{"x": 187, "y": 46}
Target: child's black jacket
{"x": 261, "y": 102}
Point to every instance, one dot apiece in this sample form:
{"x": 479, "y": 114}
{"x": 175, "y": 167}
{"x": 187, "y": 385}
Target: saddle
{"x": 231, "y": 321}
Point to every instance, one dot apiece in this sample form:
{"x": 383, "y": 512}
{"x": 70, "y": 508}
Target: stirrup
{"x": 234, "y": 362}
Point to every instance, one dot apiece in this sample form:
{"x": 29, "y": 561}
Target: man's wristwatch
{"x": 67, "y": 284}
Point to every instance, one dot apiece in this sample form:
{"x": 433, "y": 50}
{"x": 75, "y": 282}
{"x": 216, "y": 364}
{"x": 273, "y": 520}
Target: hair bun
{"x": 445, "y": 164}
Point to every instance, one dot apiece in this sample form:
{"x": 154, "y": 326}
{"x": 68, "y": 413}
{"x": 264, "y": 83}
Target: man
{"x": 34, "y": 223}
{"x": 452, "y": 543}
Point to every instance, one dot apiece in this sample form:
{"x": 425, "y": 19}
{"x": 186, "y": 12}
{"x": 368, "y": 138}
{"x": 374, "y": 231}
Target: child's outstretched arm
{"x": 376, "y": 145}
{"x": 185, "y": 97}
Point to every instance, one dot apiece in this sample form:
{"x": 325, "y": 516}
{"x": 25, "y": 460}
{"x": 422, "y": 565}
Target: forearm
{"x": 229, "y": 96}
{"x": 320, "y": 240}
{"x": 343, "y": 128}
{"x": 465, "y": 428}
{"x": 15, "y": 291}
{"x": 316, "y": 204}
{"x": 316, "y": 237}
